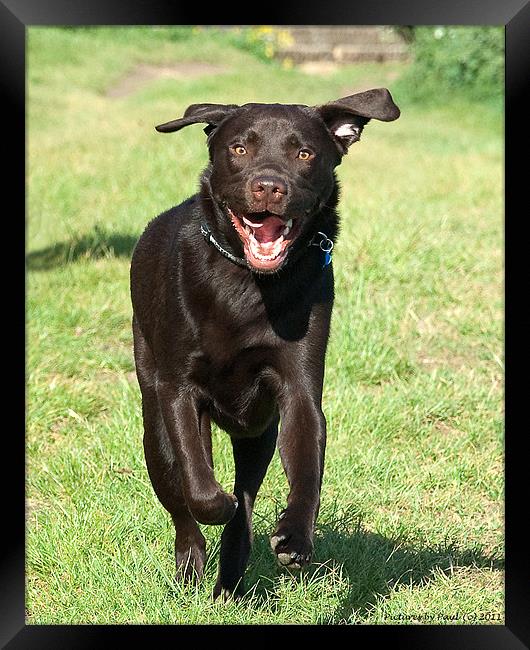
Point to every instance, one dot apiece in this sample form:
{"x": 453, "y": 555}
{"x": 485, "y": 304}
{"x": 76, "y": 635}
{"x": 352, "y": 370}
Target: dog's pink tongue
{"x": 271, "y": 229}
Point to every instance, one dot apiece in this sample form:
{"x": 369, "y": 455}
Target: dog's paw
{"x": 217, "y": 509}
{"x": 225, "y": 594}
{"x": 293, "y": 546}
{"x": 190, "y": 564}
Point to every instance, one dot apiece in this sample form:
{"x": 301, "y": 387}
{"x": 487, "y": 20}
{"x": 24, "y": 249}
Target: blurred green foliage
{"x": 263, "y": 41}
{"x": 457, "y": 60}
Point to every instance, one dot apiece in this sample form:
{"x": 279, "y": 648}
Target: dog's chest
{"x": 235, "y": 369}
{"x": 231, "y": 355}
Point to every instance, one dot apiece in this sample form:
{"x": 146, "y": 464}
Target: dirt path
{"x": 143, "y": 74}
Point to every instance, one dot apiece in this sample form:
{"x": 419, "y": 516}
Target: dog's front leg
{"x": 205, "y": 498}
{"x": 301, "y": 444}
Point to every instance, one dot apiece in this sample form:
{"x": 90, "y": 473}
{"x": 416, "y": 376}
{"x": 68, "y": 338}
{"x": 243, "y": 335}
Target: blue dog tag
{"x": 327, "y": 258}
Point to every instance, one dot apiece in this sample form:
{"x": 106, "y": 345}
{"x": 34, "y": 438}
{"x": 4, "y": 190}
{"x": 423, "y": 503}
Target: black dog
{"x": 232, "y": 294}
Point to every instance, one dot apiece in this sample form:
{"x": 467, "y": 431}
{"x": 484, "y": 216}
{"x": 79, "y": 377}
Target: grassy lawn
{"x": 411, "y": 522}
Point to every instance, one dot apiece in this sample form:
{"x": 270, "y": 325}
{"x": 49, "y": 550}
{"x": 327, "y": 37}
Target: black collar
{"x": 324, "y": 243}
{"x": 207, "y": 233}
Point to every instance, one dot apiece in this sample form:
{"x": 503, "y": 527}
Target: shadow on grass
{"x": 362, "y": 567}
{"x": 99, "y": 243}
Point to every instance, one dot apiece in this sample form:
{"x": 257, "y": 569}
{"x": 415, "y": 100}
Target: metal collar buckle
{"x": 325, "y": 245}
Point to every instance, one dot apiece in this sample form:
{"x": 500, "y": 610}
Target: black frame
{"x": 515, "y": 16}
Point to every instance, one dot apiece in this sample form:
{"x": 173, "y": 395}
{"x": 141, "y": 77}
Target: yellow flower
{"x": 285, "y": 38}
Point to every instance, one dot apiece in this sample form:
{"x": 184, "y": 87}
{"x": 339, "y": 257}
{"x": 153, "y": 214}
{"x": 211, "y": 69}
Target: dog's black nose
{"x": 268, "y": 188}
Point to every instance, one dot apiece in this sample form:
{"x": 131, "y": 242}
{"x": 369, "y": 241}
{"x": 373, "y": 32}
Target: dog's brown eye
{"x": 239, "y": 150}
{"x": 305, "y": 154}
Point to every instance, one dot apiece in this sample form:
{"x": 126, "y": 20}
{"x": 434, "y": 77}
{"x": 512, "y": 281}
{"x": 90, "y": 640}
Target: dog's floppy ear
{"x": 210, "y": 114}
{"x": 346, "y": 117}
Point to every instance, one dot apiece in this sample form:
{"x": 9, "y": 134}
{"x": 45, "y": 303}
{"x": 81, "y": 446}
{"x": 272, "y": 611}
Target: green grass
{"x": 411, "y": 522}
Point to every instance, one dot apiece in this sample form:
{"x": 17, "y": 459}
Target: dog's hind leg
{"x": 190, "y": 545}
{"x": 251, "y": 458}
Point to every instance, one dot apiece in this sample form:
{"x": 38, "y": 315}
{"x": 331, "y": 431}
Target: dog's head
{"x": 272, "y": 165}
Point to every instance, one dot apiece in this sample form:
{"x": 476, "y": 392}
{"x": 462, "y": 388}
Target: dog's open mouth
{"x": 266, "y": 237}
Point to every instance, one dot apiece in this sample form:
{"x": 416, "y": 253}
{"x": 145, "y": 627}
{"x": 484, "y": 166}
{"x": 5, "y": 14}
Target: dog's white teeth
{"x": 251, "y": 224}
{"x": 288, "y": 227}
{"x": 290, "y": 223}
